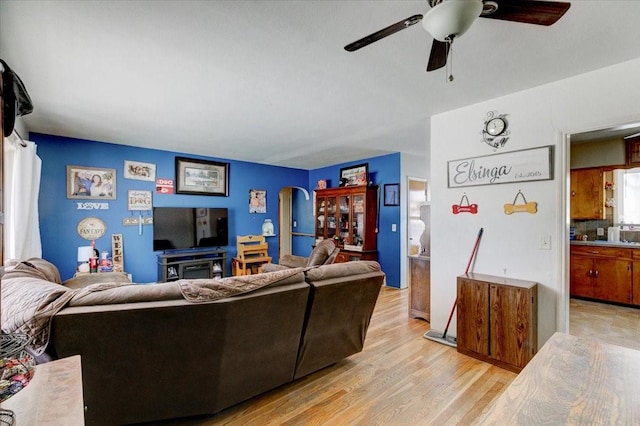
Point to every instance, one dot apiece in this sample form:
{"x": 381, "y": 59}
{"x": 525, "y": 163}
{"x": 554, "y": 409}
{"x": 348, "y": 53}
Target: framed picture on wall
{"x": 139, "y": 171}
{"x": 201, "y": 177}
{"x": 392, "y": 194}
{"x": 354, "y": 175}
{"x": 257, "y": 201}
{"x": 91, "y": 183}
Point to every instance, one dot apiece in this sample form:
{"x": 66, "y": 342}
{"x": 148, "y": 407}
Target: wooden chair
{"x": 253, "y": 252}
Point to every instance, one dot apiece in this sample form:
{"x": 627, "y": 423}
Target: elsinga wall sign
{"x": 509, "y": 167}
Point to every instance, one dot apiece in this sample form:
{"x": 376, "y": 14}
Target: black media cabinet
{"x": 192, "y": 264}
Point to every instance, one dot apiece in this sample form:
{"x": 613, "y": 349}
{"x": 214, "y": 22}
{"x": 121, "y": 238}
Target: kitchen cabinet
{"x": 587, "y": 194}
{"x": 349, "y": 215}
{"x": 497, "y": 319}
{"x": 420, "y": 287}
{"x": 635, "y": 285}
{"x": 602, "y": 273}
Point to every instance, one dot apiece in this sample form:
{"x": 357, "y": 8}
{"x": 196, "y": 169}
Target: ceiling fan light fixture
{"x": 451, "y": 18}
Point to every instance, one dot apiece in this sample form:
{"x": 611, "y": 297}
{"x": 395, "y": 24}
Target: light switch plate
{"x": 545, "y": 242}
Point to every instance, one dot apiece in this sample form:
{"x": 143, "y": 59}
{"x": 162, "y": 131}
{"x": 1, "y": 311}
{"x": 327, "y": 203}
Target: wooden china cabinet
{"x": 349, "y": 215}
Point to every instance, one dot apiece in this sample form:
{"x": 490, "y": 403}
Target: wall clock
{"x": 495, "y": 131}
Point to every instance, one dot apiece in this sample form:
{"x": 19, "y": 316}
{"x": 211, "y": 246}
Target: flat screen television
{"x": 178, "y": 228}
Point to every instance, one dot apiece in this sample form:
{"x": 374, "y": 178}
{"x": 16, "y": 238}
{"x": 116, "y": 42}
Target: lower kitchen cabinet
{"x": 602, "y": 273}
{"x": 497, "y": 319}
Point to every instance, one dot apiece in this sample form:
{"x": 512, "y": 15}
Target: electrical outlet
{"x": 545, "y": 242}
{"x": 393, "y": 227}
{"x": 600, "y": 232}
{"x": 295, "y": 223}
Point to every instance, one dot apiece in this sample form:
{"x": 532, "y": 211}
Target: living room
{"x": 539, "y": 115}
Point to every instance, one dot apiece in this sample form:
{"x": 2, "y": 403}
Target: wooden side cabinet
{"x": 420, "y": 287}
{"x": 587, "y": 194}
{"x": 497, "y": 320}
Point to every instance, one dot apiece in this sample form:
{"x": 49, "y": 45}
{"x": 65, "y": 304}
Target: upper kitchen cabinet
{"x": 587, "y": 194}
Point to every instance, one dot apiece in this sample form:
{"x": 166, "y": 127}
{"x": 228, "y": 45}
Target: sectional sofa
{"x": 170, "y": 350}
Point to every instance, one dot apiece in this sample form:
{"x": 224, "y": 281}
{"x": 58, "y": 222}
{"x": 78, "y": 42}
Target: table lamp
{"x": 84, "y": 253}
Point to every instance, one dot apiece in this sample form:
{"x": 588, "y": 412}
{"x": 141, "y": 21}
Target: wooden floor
{"x": 613, "y": 324}
{"x": 400, "y": 378}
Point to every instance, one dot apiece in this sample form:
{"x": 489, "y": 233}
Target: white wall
{"x": 510, "y": 245}
{"x": 414, "y": 166}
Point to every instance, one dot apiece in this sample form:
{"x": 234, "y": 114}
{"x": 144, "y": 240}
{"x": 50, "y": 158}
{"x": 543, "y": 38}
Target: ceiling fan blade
{"x": 526, "y": 11}
{"x": 438, "y": 55}
{"x": 391, "y": 29}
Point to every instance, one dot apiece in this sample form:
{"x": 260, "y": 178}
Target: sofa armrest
{"x": 293, "y": 261}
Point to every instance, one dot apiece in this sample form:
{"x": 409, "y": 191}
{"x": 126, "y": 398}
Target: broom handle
{"x": 475, "y": 248}
{"x": 453, "y": 308}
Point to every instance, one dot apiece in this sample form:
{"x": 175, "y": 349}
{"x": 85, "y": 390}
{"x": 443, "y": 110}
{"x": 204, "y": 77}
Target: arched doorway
{"x": 295, "y": 232}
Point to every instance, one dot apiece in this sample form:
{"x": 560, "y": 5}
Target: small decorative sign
{"x": 92, "y": 206}
{"x": 530, "y": 207}
{"x": 466, "y": 207}
{"x": 139, "y": 200}
{"x": 509, "y": 167}
{"x": 91, "y": 228}
{"x": 117, "y": 251}
{"x": 164, "y": 186}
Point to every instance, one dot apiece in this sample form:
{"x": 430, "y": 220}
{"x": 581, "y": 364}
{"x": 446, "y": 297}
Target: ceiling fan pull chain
{"x": 449, "y": 68}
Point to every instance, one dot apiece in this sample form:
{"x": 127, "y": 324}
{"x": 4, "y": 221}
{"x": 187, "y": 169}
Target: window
{"x": 627, "y": 196}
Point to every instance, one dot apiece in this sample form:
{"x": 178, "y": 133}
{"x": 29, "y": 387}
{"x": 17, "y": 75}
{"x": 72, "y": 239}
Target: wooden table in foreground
{"x": 53, "y": 397}
{"x": 574, "y": 381}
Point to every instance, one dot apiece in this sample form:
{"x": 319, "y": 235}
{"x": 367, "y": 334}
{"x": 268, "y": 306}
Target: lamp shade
{"x": 451, "y": 18}
{"x": 84, "y": 253}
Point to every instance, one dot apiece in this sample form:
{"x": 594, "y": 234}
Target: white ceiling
{"x": 270, "y": 82}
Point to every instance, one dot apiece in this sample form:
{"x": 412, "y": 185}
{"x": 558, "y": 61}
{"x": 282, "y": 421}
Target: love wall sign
{"x": 509, "y": 167}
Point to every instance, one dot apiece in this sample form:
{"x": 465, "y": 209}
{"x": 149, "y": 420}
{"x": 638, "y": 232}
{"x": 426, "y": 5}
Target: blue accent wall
{"x": 382, "y": 170}
{"x": 59, "y": 215}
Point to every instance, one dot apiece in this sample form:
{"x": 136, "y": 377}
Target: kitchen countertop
{"x": 605, "y": 243}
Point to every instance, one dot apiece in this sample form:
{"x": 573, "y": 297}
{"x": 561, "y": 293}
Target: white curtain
{"x": 21, "y": 187}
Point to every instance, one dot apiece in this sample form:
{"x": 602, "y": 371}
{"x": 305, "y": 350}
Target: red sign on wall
{"x": 164, "y": 186}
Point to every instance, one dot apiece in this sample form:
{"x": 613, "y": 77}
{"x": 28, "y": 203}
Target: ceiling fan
{"x": 449, "y": 19}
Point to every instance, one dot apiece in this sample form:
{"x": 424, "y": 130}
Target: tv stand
{"x": 208, "y": 264}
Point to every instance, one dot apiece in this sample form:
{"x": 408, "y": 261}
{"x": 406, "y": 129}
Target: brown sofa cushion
{"x": 339, "y": 270}
{"x": 118, "y": 292}
{"x": 33, "y": 267}
{"x": 82, "y": 281}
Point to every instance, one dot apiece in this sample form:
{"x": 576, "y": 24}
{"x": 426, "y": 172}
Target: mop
{"x": 436, "y": 336}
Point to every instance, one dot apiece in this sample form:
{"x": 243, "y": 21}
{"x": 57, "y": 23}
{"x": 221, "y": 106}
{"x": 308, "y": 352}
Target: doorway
{"x": 615, "y": 324}
{"x": 292, "y": 230}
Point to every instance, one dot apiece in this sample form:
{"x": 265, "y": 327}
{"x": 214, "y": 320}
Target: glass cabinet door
{"x": 321, "y": 216}
{"x": 331, "y": 217}
{"x": 344, "y": 219}
{"x": 358, "y": 230}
